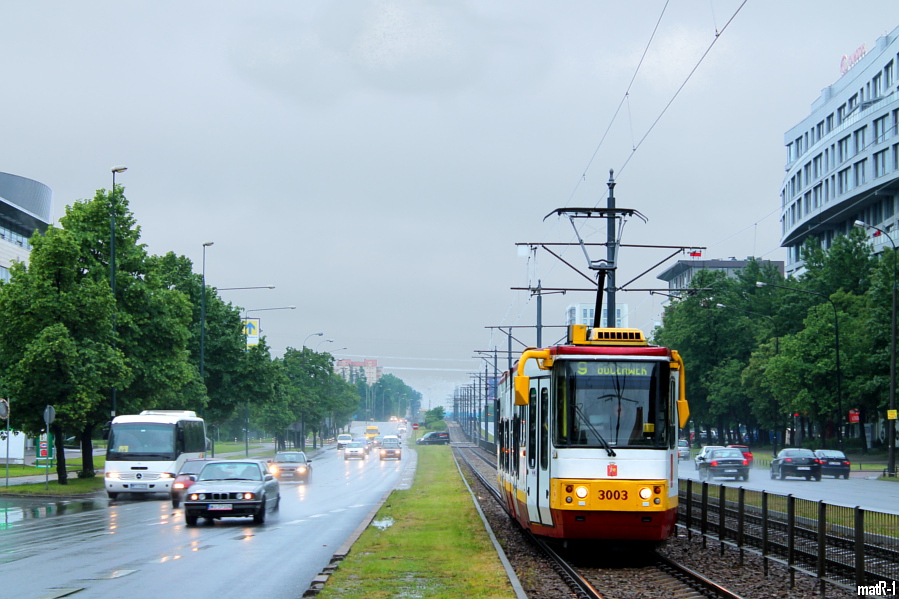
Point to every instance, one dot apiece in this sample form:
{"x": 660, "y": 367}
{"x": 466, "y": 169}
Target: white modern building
{"x": 680, "y": 275}
{"x": 843, "y": 159}
{"x": 24, "y": 208}
{"x": 351, "y": 370}
{"x": 584, "y": 313}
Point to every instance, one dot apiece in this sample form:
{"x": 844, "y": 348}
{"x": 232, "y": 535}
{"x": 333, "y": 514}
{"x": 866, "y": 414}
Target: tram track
{"x": 655, "y": 575}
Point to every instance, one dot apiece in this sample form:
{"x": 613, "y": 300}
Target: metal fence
{"x": 840, "y": 545}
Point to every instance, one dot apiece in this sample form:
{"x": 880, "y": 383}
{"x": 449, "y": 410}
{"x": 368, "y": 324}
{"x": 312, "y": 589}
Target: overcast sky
{"x": 377, "y": 161}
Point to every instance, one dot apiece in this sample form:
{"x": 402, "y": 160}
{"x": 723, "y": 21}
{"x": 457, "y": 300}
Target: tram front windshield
{"x": 612, "y": 404}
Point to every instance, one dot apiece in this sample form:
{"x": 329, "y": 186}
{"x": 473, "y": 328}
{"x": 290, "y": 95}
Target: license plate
{"x": 835, "y": 463}
{"x": 730, "y": 470}
{"x": 219, "y": 506}
{"x": 804, "y": 468}
{"x": 138, "y": 485}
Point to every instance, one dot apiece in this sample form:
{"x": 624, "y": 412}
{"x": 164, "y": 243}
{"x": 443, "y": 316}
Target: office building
{"x": 584, "y": 313}
{"x": 24, "y": 208}
{"x": 843, "y": 158}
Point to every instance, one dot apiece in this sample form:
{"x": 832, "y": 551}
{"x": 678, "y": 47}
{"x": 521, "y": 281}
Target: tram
{"x": 587, "y": 437}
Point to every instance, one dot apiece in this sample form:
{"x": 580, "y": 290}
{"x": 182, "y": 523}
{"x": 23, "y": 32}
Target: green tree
{"x": 56, "y": 345}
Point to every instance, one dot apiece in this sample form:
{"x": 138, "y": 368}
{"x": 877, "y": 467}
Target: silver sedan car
{"x": 238, "y": 488}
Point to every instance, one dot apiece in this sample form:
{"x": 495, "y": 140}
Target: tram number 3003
{"x": 612, "y": 495}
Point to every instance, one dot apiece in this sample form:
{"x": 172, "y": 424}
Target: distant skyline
{"x": 377, "y": 161}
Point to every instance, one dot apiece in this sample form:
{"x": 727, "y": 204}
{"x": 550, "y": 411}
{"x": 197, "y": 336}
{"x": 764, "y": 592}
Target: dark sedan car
{"x": 833, "y": 463}
{"x": 239, "y": 488}
{"x": 796, "y": 462}
{"x": 391, "y": 450}
{"x": 723, "y": 462}
{"x": 186, "y": 477}
{"x": 434, "y": 438}
{"x": 291, "y": 465}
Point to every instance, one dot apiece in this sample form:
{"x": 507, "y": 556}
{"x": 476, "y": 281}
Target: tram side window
{"x": 544, "y": 428}
{"x": 532, "y": 429}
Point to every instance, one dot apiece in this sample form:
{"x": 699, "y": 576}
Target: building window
{"x": 841, "y": 114}
{"x": 843, "y": 150}
{"x": 843, "y": 181}
{"x": 817, "y": 170}
{"x": 880, "y": 163}
{"x": 816, "y": 196}
{"x": 880, "y": 129}
{"x": 860, "y": 167}
{"x": 888, "y": 75}
{"x": 859, "y": 140}
{"x": 830, "y": 122}
{"x": 876, "y": 86}
{"x": 853, "y": 104}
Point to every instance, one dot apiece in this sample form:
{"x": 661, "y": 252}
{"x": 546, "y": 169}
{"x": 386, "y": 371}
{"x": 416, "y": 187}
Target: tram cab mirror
{"x": 522, "y": 388}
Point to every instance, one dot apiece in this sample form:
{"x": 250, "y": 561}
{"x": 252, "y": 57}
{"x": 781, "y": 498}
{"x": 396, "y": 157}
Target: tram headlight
{"x": 645, "y": 493}
{"x": 569, "y": 499}
{"x": 657, "y": 500}
{"x": 581, "y": 492}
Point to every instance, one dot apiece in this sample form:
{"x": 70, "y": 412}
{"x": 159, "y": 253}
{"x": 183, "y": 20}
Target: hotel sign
{"x": 847, "y": 62}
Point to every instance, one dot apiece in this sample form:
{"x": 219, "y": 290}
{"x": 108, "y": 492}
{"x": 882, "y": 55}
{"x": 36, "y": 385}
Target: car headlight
{"x": 249, "y": 496}
{"x": 193, "y": 497}
{"x": 273, "y": 469}
{"x": 166, "y": 475}
{"x": 301, "y": 469}
{"x": 112, "y": 475}
{"x": 202, "y": 496}
{"x": 178, "y": 486}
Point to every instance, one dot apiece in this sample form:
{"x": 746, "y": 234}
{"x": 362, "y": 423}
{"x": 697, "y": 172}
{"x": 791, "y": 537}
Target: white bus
{"x": 146, "y": 451}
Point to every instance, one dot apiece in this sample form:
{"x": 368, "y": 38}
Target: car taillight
{"x": 846, "y": 463}
{"x": 713, "y": 463}
{"x": 817, "y": 461}
{"x": 788, "y": 459}
{"x": 745, "y": 462}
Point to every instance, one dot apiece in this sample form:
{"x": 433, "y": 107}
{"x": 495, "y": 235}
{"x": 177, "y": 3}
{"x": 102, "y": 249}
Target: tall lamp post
{"x": 322, "y": 341}
{"x": 836, "y": 330}
{"x": 311, "y": 335}
{"x": 246, "y": 431}
{"x": 112, "y": 206}
{"x": 891, "y": 428}
{"x": 203, "y": 317}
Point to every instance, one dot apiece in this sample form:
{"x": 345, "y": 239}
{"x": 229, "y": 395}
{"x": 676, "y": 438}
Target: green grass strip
{"x": 436, "y": 546}
{"x": 76, "y": 486}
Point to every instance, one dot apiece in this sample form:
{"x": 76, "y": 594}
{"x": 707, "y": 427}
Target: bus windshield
{"x": 141, "y": 441}
{"x": 612, "y": 404}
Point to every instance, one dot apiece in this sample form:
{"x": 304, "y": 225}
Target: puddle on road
{"x": 382, "y": 524}
{"x": 20, "y": 508}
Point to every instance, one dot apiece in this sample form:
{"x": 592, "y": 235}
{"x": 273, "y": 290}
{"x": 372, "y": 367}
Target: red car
{"x": 186, "y": 477}
{"x": 746, "y": 452}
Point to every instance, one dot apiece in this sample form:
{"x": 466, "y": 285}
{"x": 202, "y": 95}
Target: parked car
{"x": 343, "y": 439}
{"x": 704, "y": 453}
{"x": 747, "y": 453}
{"x": 833, "y": 463}
{"x": 434, "y": 438}
{"x": 234, "y": 488}
{"x": 354, "y": 449}
{"x": 796, "y": 462}
{"x": 683, "y": 449}
{"x": 723, "y": 462}
{"x": 186, "y": 477}
{"x": 391, "y": 450}
{"x": 291, "y": 465}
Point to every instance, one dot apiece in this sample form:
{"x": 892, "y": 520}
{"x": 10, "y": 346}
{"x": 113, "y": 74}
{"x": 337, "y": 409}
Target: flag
{"x": 695, "y": 254}
{"x": 877, "y": 233}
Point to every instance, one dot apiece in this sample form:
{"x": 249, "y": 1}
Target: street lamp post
{"x": 311, "y": 335}
{"x": 836, "y": 330}
{"x": 891, "y": 428}
{"x": 247, "y": 413}
{"x": 323, "y": 341}
{"x": 112, "y": 205}
{"x": 203, "y": 317}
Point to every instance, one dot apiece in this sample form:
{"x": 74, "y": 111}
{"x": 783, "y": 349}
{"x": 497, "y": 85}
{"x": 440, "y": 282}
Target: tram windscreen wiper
{"x": 602, "y": 441}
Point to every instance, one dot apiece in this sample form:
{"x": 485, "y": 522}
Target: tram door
{"x": 537, "y": 452}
